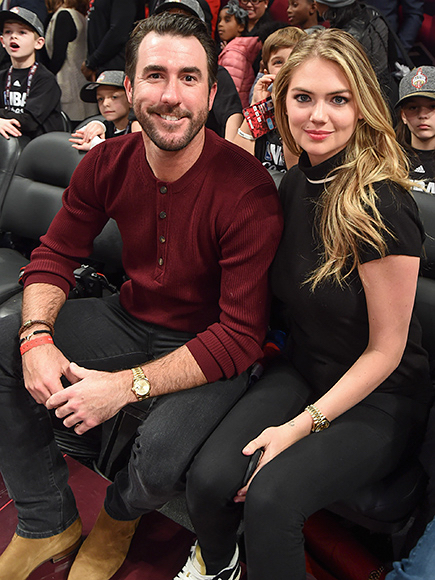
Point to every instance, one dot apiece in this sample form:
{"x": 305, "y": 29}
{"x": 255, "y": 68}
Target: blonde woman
{"x": 348, "y": 401}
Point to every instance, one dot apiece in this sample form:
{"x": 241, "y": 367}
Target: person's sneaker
{"x": 194, "y": 569}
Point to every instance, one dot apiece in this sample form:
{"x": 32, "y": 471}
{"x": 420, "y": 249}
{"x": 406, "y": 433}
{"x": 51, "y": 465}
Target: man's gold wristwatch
{"x": 141, "y": 385}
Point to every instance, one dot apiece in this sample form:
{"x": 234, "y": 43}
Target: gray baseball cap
{"x": 420, "y": 82}
{"x": 23, "y": 15}
{"x": 191, "y": 6}
{"x": 113, "y": 78}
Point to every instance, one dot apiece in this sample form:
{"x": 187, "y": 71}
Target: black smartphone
{"x": 252, "y": 465}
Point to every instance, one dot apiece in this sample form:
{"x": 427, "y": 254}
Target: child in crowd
{"x": 239, "y": 52}
{"x": 269, "y": 148}
{"x": 416, "y": 125}
{"x": 231, "y": 22}
{"x": 303, "y": 13}
{"x": 109, "y": 93}
{"x": 29, "y": 93}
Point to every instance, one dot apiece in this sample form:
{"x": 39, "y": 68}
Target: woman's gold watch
{"x": 320, "y": 422}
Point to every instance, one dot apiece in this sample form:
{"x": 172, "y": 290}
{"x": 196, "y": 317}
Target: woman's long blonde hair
{"x": 347, "y": 216}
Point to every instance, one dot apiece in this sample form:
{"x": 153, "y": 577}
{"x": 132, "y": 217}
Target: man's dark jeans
{"x": 100, "y": 334}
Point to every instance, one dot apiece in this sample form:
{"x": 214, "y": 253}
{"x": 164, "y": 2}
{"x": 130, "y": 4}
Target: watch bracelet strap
{"x": 317, "y": 416}
{"x": 138, "y": 373}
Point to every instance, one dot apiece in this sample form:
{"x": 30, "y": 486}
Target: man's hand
{"x": 89, "y": 74}
{"x": 43, "y": 368}
{"x": 9, "y": 128}
{"x": 94, "y": 397}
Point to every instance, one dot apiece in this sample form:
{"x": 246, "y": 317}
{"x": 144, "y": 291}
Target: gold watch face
{"x": 141, "y": 387}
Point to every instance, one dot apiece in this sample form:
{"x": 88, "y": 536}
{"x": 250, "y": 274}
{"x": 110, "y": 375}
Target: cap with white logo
{"x": 420, "y": 82}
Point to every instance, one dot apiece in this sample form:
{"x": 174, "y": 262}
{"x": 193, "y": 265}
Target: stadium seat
{"x": 10, "y": 150}
{"x": 32, "y": 200}
{"x": 387, "y": 506}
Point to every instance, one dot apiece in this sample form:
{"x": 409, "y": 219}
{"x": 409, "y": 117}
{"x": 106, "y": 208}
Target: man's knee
{"x": 153, "y": 467}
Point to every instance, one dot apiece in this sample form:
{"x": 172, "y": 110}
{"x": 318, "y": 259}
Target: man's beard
{"x": 164, "y": 139}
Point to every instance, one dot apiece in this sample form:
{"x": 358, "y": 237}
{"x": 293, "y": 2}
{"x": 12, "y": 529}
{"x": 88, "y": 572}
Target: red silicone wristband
{"x": 35, "y": 342}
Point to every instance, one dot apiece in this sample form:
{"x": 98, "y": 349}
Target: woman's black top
{"x": 329, "y": 327}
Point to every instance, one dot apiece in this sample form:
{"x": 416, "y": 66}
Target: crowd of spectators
{"x": 80, "y": 39}
{"x": 63, "y": 64}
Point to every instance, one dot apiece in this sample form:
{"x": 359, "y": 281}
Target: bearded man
{"x": 200, "y": 222}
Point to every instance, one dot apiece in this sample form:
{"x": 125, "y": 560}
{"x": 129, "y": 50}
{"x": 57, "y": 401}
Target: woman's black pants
{"x": 360, "y": 447}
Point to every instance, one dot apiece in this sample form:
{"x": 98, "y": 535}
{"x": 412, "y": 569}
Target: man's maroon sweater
{"x": 196, "y": 250}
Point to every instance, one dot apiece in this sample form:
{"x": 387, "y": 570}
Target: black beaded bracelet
{"x": 35, "y": 332}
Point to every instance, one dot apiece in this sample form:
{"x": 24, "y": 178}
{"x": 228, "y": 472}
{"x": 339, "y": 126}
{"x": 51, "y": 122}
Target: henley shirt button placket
{"x": 162, "y": 215}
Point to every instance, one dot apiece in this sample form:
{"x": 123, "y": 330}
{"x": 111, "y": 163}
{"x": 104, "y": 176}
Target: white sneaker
{"x": 194, "y": 569}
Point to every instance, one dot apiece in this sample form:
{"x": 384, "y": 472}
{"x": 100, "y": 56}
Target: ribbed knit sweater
{"x": 196, "y": 251}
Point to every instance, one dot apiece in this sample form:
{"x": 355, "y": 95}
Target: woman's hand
{"x": 274, "y": 440}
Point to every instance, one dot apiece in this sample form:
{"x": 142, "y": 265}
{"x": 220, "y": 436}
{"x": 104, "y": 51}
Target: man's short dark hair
{"x": 173, "y": 25}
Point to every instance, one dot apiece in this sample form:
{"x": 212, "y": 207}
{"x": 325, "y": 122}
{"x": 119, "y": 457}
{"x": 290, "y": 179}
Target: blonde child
{"x": 29, "y": 93}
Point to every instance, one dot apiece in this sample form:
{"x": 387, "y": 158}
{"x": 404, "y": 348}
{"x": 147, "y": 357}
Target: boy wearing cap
{"x": 30, "y": 95}
{"x": 109, "y": 93}
{"x": 416, "y": 126}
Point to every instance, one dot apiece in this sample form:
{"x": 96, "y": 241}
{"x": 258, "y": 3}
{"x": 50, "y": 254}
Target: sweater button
{"x": 160, "y": 261}
{"x": 163, "y": 189}
{"x": 162, "y": 239}
{"x": 162, "y": 215}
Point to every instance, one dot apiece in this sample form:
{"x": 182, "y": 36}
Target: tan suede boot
{"x": 104, "y": 550}
{"x": 23, "y": 555}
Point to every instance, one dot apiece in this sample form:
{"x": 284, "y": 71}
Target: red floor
{"x": 159, "y": 548}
